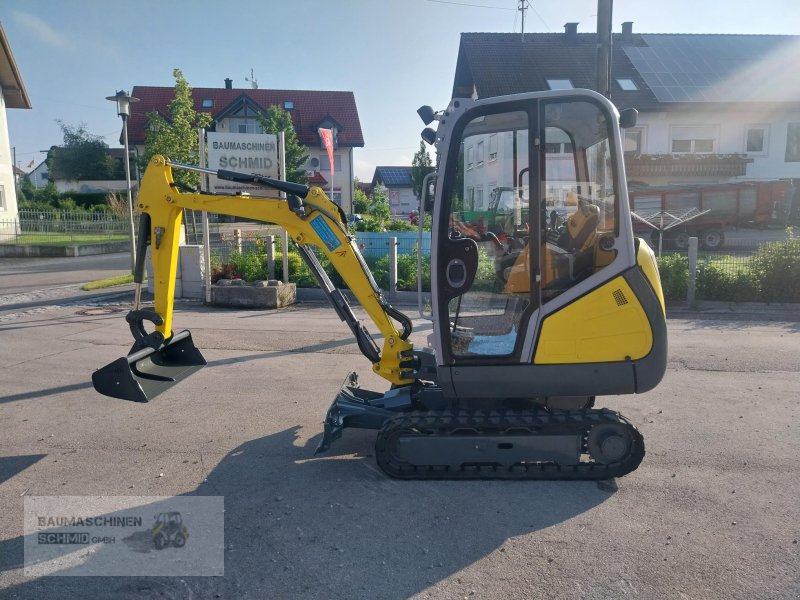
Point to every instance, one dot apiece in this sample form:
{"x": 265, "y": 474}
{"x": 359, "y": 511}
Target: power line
{"x": 470, "y": 5}
{"x": 536, "y": 12}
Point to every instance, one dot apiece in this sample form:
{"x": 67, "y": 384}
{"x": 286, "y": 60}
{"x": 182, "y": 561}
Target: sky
{"x": 394, "y": 55}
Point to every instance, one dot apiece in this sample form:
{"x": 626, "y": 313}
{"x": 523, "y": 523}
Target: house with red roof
{"x": 235, "y": 110}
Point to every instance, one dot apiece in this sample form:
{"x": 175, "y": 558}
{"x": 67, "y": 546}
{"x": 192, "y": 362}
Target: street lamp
{"x": 124, "y": 102}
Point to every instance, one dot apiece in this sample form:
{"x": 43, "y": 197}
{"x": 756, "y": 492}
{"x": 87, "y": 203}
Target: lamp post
{"x": 124, "y": 102}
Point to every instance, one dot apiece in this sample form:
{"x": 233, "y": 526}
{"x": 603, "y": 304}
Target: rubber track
{"x": 497, "y": 424}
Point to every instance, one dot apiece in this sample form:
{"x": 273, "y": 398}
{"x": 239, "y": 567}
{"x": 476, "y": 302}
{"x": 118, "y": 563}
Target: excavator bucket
{"x": 146, "y": 373}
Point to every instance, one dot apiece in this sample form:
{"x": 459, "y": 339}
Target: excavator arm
{"x": 310, "y": 218}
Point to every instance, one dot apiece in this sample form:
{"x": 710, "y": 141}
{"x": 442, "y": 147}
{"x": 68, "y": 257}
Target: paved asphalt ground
{"x": 713, "y": 512}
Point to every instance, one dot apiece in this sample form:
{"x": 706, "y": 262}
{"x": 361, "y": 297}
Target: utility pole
{"x": 604, "y": 10}
{"x": 522, "y": 8}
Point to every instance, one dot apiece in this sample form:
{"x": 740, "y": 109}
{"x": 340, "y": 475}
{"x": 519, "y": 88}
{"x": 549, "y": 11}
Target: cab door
{"x": 486, "y": 237}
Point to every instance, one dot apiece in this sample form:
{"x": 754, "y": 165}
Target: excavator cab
{"x": 530, "y": 310}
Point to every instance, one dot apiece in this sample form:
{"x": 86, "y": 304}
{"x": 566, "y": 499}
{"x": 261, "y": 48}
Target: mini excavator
{"x": 534, "y": 317}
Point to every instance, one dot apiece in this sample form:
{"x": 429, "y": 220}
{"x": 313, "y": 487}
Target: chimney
{"x": 571, "y": 32}
{"x": 228, "y": 83}
{"x": 627, "y": 31}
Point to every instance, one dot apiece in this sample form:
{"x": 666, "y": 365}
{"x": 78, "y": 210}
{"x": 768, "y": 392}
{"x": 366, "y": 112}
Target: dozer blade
{"x": 146, "y": 373}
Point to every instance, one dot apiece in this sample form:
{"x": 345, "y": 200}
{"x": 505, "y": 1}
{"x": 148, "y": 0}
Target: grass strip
{"x": 99, "y": 284}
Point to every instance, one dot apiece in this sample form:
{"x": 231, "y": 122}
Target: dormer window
{"x": 560, "y": 84}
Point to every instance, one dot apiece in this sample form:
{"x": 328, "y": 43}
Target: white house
{"x": 235, "y": 111}
{"x": 40, "y": 175}
{"x": 13, "y": 96}
{"x": 712, "y": 108}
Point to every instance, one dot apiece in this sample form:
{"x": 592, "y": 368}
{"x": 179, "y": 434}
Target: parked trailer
{"x": 729, "y": 205}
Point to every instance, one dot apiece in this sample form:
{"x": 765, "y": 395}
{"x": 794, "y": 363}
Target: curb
{"x": 730, "y": 310}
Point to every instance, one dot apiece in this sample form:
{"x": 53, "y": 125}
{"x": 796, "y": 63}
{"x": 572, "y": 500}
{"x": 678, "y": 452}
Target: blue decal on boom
{"x": 325, "y": 232}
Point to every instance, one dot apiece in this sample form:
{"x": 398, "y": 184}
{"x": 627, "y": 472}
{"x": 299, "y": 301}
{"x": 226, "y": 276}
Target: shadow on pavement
{"x": 337, "y": 527}
{"x": 11, "y": 465}
{"x": 46, "y": 392}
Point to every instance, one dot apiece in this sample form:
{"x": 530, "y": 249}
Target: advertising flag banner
{"x": 327, "y": 139}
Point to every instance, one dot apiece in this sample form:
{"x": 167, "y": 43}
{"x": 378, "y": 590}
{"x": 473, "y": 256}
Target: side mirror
{"x": 628, "y": 118}
{"x": 430, "y": 193}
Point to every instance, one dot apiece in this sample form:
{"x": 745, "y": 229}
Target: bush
{"x": 369, "y": 224}
{"x": 400, "y": 225}
{"x": 674, "y": 272}
{"x": 777, "y": 268}
{"x": 714, "y": 282}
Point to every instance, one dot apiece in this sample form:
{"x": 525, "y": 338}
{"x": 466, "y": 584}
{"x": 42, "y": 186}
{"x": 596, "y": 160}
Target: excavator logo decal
{"x": 325, "y": 233}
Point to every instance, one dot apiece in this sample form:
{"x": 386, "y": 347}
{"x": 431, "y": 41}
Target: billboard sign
{"x": 244, "y": 153}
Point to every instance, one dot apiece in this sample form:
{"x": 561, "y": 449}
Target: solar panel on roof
{"x": 698, "y": 68}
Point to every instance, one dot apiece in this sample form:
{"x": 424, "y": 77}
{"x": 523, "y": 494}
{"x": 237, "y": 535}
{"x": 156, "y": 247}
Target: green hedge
{"x": 772, "y": 275}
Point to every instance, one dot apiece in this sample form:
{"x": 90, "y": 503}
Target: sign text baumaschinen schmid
{"x": 244, "y": 153}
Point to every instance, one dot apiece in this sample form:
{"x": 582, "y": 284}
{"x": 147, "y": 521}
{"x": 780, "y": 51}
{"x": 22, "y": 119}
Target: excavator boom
{"x": 159, "y": 358}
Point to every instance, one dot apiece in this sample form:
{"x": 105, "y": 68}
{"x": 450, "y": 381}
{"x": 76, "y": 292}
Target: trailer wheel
{"x": 712, "y": 239}
{"x": 681, "y": 240}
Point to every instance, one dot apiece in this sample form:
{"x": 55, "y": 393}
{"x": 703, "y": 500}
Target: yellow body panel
{"x": 607, "y": 325}
{"x": 164, "y": 203}
{"x": 647, "y": 261}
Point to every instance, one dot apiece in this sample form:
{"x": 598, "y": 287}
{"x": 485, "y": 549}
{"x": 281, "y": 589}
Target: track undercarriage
{"x": 456, "y": 443}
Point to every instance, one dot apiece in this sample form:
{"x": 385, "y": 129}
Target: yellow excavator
{"x": 532, "y": 320}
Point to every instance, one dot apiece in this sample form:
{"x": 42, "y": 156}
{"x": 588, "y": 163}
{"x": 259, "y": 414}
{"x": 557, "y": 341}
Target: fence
{"x": 726, "y": 274}
{"x": 57, "y": 226}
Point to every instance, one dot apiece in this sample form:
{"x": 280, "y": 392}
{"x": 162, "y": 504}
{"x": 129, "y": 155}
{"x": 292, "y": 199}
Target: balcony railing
{"x": 686, "y": 165}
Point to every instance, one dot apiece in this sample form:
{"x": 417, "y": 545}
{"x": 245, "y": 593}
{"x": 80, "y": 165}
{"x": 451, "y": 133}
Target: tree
{"x": 420, "y": 166}
{"x": 360, "y": 201}
{"x": 176, "y": 137}
{"x": 82, "y": 156}
{"x": 378, "y": 207}
{"x": 275, "y": 120}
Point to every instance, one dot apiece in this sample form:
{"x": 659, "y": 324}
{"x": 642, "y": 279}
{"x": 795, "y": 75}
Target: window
{"x": 244, "y": 125}
{"x": 288, "y": 105}
{"x": 557, "y": 142}
{"x": 493, "y": 148}
{"x": 560, "y": 84}
{"x": 691, "y": 139}
{"x": 756, "y": 139}
{"x": 792, "y": 142}
{"x": 207, "y": 103}
{"x": 633, "y": 141}
{"x": 479, "y": 155}
{"x": 479, "y": 198}
{"x": 627, "y": 85}
{"x": 325, "y": 163}
{"x": 470, "y": 157}
{"x": 2, "y": 198}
